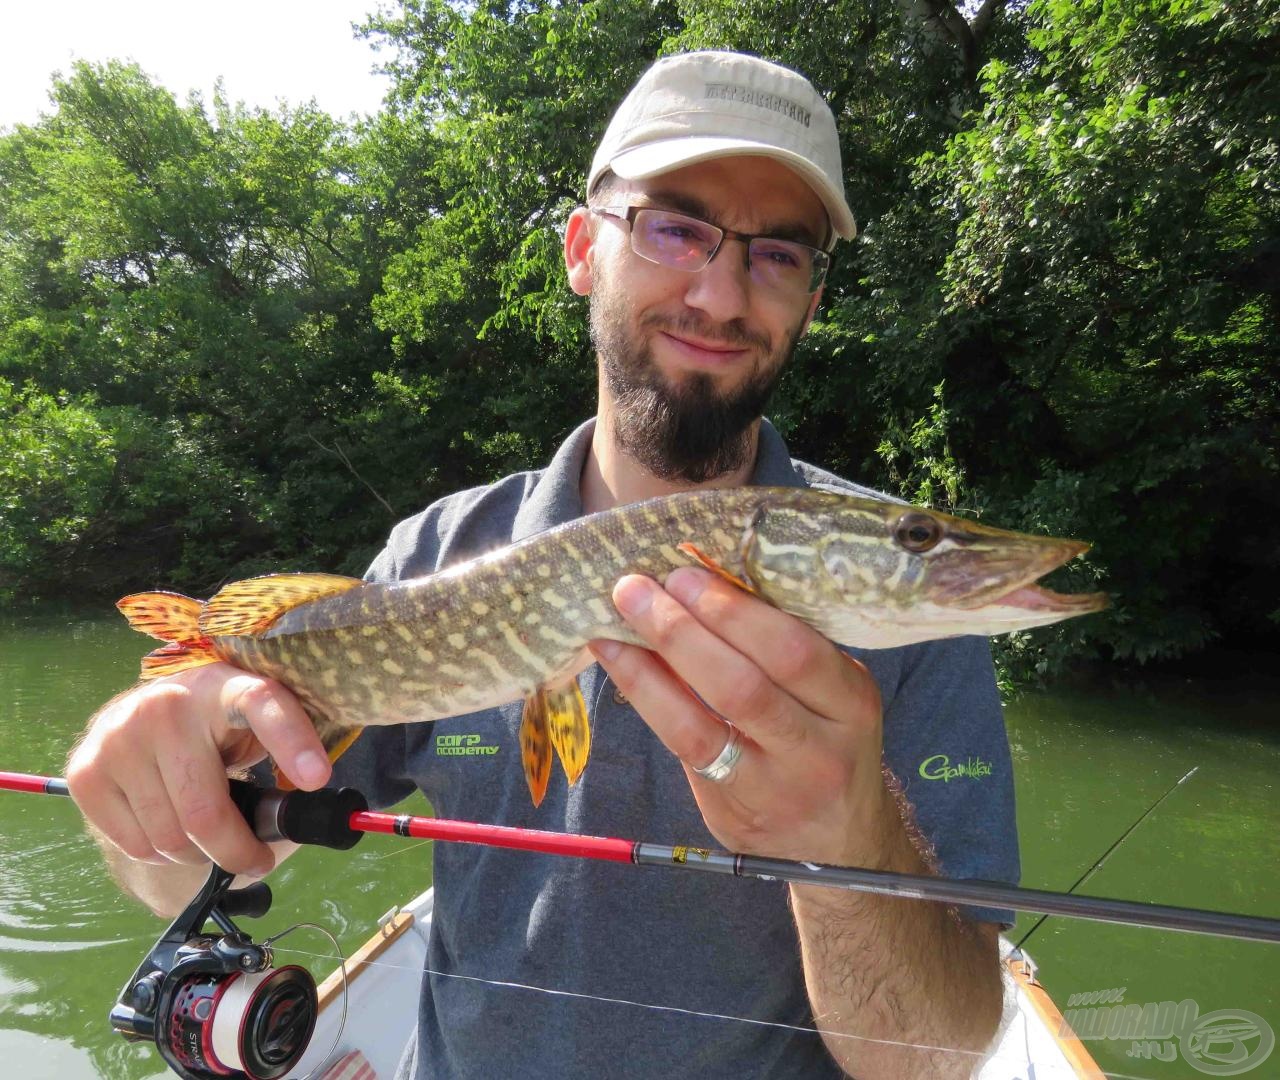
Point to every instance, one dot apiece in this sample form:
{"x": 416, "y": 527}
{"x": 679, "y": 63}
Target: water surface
{"x": 1088, "y": 763}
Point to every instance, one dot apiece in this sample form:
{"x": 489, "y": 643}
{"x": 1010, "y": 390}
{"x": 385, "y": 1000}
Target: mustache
{"x": 734, "y": 333}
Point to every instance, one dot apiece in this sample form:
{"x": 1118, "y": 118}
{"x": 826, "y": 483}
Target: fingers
{"x": 150, "y": 774}
{"x": 195, "y": 785}
{"x": 280, "y": 725}
{"x": 789, "y": 652}
{"x": 730, "y": 682}
{"x": 809, "y": 778}
{"x": 683, "y": 724}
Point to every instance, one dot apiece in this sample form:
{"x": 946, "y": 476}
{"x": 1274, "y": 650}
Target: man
{"x": 712, "y": 201}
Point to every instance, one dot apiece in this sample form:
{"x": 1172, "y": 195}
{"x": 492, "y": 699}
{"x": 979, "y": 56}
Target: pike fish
{"x": 513, "y": 624}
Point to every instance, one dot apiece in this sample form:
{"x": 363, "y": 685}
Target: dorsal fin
{"x": 249, "y": 607}
{"x": 168, "y": 616}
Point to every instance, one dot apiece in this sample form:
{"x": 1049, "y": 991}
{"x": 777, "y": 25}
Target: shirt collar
{"x": 557, "y": 495}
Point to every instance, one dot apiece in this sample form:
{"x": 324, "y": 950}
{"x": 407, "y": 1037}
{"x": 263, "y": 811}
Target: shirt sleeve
{"x": 946, "y": 742}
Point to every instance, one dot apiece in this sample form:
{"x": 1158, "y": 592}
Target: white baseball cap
{"x": 697, "y": 106}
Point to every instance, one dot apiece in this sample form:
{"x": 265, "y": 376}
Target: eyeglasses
{"x": 688, "y": 243}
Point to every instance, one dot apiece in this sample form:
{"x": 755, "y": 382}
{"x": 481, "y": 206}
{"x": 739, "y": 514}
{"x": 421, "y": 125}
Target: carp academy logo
{"x": 463, "y": 746}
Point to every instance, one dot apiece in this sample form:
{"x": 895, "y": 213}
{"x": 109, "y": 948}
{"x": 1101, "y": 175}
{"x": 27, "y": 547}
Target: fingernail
{"x": 311, "y": 768}
{"x": 686, "y": 584}
{"x": 606, "y": 649}
{"x": 634, "y": 595}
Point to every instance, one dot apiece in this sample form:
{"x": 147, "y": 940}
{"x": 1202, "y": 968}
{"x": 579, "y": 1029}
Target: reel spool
{"x": 216, "y": 1007}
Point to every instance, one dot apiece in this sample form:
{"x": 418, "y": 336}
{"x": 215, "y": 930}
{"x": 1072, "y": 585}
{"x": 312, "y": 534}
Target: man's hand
{"x": 150, "y": 773}
{"x": 809, "y": 783}
{"x": 891, "y": 982}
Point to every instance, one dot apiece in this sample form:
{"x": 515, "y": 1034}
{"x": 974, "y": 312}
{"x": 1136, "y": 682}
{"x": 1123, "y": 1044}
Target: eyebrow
{"x": 695, "y": 207}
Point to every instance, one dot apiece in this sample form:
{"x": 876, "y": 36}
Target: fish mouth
{"x": 1039, "y": 600}
{"x": 1010, "y": 581}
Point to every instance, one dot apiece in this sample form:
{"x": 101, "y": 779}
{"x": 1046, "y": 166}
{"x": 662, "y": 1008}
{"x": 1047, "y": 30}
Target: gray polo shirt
{"x": 541, "y": 966}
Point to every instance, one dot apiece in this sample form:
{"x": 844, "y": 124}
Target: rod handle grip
{"x": 306, "y": 817}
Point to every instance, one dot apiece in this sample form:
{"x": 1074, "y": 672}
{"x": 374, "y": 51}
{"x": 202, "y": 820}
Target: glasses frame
{"x": 821, "y": 259}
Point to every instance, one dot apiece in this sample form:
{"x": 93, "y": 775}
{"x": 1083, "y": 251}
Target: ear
{"x": 579, "y": 250}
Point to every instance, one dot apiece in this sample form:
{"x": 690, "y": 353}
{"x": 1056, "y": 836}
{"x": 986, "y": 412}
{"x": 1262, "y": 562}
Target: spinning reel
{"x": 214, "y": 1004}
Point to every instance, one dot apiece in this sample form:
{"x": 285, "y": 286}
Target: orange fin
{"x": 570, "y": 728}
{"x": 169, "y": 616}
{"x": 710, "y": 564}
{"x": 336, "y": 739}
{"x": 176, "y": 657}
{"x": 535, "y": 745}
{"x": 249, "y": 607}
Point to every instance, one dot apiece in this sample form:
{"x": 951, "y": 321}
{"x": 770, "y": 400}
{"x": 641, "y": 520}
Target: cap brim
{"x": 655, "y": 158}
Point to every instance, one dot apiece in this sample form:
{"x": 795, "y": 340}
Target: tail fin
{"x": 174, "y": 619}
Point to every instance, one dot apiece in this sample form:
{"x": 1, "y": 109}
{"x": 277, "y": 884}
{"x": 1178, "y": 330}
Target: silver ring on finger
{"x": 720, "y": 769}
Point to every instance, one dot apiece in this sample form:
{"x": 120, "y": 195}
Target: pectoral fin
{"x": 336, "y": 739}
{"x": 535, "y": 745}
{"x": 710, "y": 564}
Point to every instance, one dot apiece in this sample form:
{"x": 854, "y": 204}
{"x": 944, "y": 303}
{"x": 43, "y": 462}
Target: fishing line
{"x": 397, "y": 851}
{"x": 507, "y": 984}
{"x": 342, "y": 967}
{"x": 1098, "y": 863}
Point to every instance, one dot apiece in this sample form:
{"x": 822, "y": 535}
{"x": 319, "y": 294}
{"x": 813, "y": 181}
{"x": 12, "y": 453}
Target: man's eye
{"x": 681, "y": 229}
{"x": 785, "y": 256}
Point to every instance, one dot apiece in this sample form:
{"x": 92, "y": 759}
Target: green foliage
{"x": 56, "y": 463}
{"x": 236, "y": 340}
{"x": 1090, "y": 265}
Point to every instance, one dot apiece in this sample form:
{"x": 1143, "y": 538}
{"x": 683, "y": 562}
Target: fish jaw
{"x": 880, "y": 575}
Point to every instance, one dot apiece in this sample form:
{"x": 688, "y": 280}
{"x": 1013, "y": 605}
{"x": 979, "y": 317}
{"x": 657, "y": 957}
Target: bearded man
{"x": 713, "y": 202}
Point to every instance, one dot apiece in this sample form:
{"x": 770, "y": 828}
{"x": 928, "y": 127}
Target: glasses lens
{"x": 786, "y": 266}
{"x": 673, "y": 239}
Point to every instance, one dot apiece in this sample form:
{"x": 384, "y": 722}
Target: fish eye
{"x": 917, "y": 532}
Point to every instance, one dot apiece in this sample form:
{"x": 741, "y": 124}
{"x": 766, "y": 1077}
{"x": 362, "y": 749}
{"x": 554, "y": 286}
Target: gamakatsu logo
{"x": 939, "y": 767}
{"x": 463, "y": 746}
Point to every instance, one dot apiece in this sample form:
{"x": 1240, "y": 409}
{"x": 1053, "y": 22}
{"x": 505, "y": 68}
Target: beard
{"x": 690, "y": 432}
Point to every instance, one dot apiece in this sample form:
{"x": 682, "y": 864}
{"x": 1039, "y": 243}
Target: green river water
{"x": 1087, "y": 762}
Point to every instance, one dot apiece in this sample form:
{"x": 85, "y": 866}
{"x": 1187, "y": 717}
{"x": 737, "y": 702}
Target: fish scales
{"x": 490, "y": 630}
{"x": 513, "y": 624}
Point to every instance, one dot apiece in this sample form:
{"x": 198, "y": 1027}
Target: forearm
{"x": 898, "y": 987}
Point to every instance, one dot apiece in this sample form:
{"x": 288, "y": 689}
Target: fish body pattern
{"x": 513, "y": 624}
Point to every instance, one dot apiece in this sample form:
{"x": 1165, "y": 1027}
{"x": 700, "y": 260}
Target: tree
{"x": 1090, "y": 271}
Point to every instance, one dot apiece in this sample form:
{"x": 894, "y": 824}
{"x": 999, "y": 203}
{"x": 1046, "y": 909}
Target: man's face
{"x": 689, "y": 360}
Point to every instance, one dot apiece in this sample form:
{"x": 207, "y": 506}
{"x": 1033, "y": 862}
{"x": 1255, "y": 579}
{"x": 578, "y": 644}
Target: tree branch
{"x": 336, "y": 451}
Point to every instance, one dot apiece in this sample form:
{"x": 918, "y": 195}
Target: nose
{"x": 721, "y": 288}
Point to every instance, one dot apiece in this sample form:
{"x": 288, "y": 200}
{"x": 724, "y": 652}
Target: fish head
{"x": 877, "y": 574}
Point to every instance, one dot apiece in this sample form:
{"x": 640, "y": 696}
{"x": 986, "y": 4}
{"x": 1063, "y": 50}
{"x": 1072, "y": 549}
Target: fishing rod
{"x": 337, "y": 819}
{"x": 215, "y": 1006}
